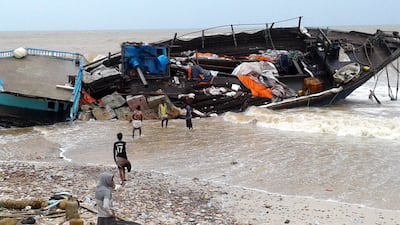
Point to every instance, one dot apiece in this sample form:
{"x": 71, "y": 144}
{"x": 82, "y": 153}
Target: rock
{"x": 175, "y": 112}
{"x": 135, "y": 101}
{"x": 29, "y": 220}
{"x": 154, "y": 101}
{"x": 85, "y": 115}
{"x": 113, "y": 100}
{"x": 103, "y": 113}
{"x": 123, "y": 113}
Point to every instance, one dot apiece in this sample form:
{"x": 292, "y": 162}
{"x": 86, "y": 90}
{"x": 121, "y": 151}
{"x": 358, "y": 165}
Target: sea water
{"x": 348, "y": 152}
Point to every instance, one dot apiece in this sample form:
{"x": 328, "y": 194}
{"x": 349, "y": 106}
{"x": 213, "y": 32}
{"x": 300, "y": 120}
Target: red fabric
{"x": 86, "y": 99}
{"x": 189, "y": 71}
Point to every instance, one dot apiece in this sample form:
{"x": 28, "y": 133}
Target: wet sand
{"x": 151, "y": 197}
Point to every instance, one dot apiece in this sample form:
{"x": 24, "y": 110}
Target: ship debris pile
{"x": 275, "y": 68}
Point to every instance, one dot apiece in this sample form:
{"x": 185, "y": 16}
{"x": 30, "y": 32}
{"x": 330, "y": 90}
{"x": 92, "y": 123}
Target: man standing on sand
{"x": 137, "y": 119}
{"x": 162, "y": 113}
{"x": 103, "y": 197}
{"x": 120, "y": 158}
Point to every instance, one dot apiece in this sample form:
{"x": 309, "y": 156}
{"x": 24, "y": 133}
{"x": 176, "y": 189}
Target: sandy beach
{"x": 150, "y": 197}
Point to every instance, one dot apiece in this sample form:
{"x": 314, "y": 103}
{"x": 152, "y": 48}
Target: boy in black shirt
{"x": 120, "y": 157}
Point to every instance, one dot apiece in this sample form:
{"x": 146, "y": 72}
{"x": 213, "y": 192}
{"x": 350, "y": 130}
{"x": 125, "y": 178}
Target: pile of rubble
{"x": 116, "y": 106}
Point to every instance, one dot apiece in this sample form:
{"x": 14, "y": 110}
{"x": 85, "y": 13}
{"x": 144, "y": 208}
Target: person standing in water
{"x": 162, "y": 113}
{"x": 137, "y": 119}
{"x": 188, "y": 116}
{"x": 120, "y": 157}
{"x": 103, "y": 197}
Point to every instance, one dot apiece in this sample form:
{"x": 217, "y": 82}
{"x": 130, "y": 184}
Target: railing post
{"x": 300, "y": 21}
{"x": 202, "y": 39}
{"x": 269, "y": 36}
{"x": 234, "y": 36}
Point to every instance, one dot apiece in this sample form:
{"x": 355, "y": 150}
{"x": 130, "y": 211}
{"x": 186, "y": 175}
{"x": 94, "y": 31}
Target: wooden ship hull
{"x": 309, "y": 65}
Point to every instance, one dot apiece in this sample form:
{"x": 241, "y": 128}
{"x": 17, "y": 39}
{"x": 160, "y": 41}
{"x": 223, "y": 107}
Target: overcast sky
{"x": 26, "y": 15}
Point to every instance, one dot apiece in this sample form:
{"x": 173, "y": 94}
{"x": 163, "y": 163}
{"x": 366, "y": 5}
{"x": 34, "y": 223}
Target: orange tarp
{"x": 259, "y": 58}
{"x": 257, "y": 89}
{"x": 86, "y": 99}
{"x": 205, "y": 55}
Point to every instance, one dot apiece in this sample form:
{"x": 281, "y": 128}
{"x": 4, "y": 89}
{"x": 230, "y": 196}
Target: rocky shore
{"x": 153, "y": 198}
{"x": 149, "y": 198}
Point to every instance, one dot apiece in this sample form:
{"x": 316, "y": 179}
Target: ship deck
{"x": 38, "y": 76}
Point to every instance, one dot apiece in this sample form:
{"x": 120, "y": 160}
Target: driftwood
{"x": 88, "y": 208}
{"x": 17, "y": 214}
{"x": 20, "y": 214}
{"x": 54, "y": 214}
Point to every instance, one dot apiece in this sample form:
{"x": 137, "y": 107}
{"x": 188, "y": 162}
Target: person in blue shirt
{"x": 188, "y": 116}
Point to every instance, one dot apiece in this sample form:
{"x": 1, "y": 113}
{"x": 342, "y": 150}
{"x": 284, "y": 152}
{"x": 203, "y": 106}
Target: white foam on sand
{"x": 62, "y": 151}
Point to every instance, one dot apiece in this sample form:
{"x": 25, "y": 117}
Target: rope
{"x": 390, "y": 93}
{"x": 372, "y": 92}
{"x": 366, "y": 52}
{"x": 237, "y": 25}
{"x": 398, "y": 75}
{"x": 364, "y": 48}
{"x": 357, "y": 59}
{"x": 388, "y": 82}
{"x": 376, "y": 82}
{"x": 334, "y": 97}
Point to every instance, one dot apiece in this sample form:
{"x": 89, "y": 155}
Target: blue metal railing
{"x": 43, "y": 52}
{"x": 54, "y": 54}
{"x": 7, "y": 54}
{"x": 76, "y": 93}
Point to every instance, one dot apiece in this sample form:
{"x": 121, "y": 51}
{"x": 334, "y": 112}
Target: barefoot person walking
{"x": 137, "y": 119}
{"x": 120, "y": 157}
{"x": 163, "y": 114}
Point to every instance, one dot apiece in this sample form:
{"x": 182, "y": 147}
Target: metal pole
{"x": 234, "y": 36}
{"x": 202, "y": 39}
{"x": 300, "y": 17}
{"x": 141, "y": 75}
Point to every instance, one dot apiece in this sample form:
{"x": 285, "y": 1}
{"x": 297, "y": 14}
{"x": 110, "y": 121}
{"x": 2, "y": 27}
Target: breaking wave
{"x": 328, "y": 120}
{"x": 358, "y": 115}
